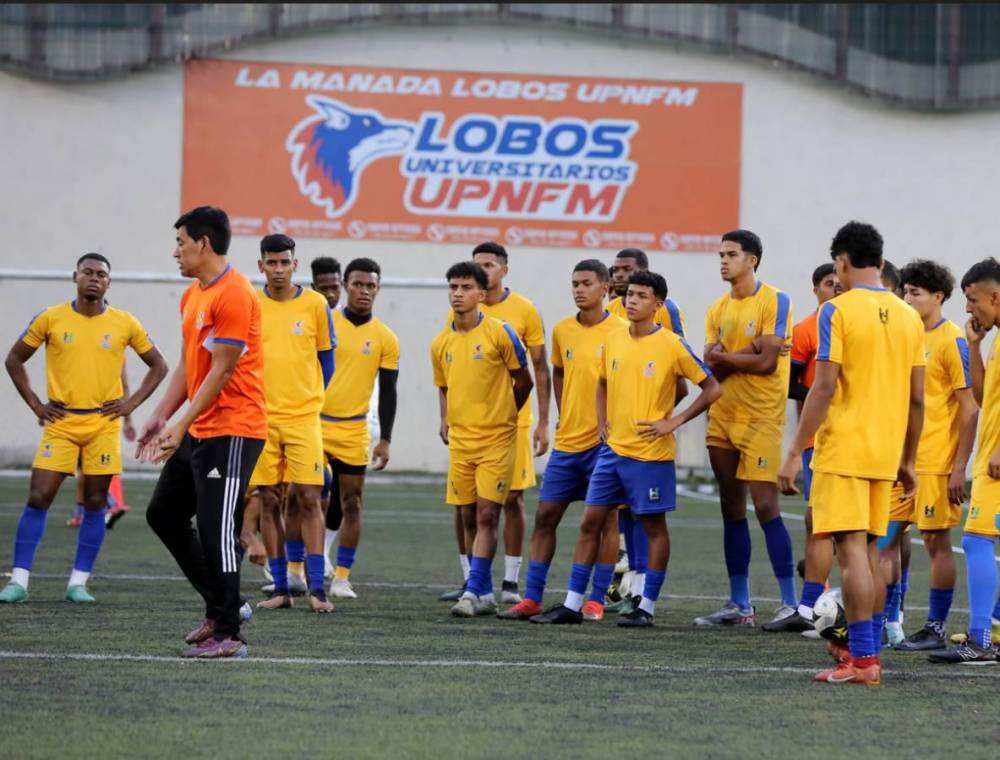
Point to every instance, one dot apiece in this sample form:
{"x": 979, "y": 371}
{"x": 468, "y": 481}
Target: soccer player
{"x": 746, "y": 333}
{"x": 366, "y": 349}
{"x": 298, "y": 339}
{"x": 819, "y": 549}
{"x": 636, "y": 391}
{"x": 211, "y": 450}
{"x": 577, "y": 342}
{"x": 475, "y": 359}
{"x": 867, "y": 404}
{"x": 982, "y": 524}
{"x": 949, "y": 431}
{"x": 517, "y": 311}
{"x": 85, "y": 342}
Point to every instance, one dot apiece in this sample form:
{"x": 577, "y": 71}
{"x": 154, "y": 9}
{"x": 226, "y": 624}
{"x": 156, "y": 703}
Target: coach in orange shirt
{"x": 211, "y": 450}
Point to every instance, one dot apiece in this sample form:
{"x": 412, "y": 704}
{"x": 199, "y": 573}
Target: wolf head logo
{"x": 331, "y": 148}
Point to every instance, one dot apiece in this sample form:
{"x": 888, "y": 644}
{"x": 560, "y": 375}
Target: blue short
{"x": 567, "y": 475}
{"x": 807, "y": 472}
{"x": 648, "y": 488}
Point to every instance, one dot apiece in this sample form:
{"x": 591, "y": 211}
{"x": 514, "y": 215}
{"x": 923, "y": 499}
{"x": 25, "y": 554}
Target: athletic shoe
{"x": 969, "y": 653}
{"x": 276, "y": 601}
{"x": 838, "y": 652}
{"x": 928, "y": 637}
{"x": 246, "y": 612}
{"x": 202, "y": 632}
{"x": 893, "y": 634}
{"x": 593, "y": 611}
{"x": 730, "y": 614}
{"x": 319, "y": 603}
{"x": 13, "y": 593}
{"x": 213, "y": 649}
{"x": 613, "y": 596}
{"x": 621, "y": 567}
{"x": 267, "y": 573}
{"x": 79, "y": 595}
{"x": 787, "y": 620}
{"x": 113, "y": 515}
{"x": 482, "y": 607}
{"x": 961, "y": 638}
{"x": 452, "y": 596}
{"x": 626, "y": 606}
{"x": 850, "y": 672}
{"x": 297, "y": 585}
{"x": 812, "y": 634}
{"x": 636, "y": 619}
{"x": 509, "y": 593}
{"x": 559, "y": 615}
{"x": 74, "y": 522}
{"x": 473, "y": 606}
{"x": 341, "y": 588}
{"x": 521, "y": 611}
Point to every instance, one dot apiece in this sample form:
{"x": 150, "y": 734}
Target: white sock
{"x": 328, "y": 541}
{"x": 647, "y": 605}
{"x": 806, "y": 612}
{"x": 638, "y": 584}
{"x": 78, "y": 578}
{"x": 574, "y": 601}
{"x": 469, "y": 595}
{"x": 463, "y": 560}
{"x": 20, "y": 576}
{"x": 511, "y": 568}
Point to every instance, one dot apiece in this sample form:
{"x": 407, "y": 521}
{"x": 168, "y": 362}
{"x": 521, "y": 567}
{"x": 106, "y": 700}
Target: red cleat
{"x": 593, "y": 611}
{"x": 838, "y": 652}
{"x": 866, "y": 671}
{"x": 521, "y": 611}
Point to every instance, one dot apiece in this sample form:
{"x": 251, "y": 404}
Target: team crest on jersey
{"x": 501, "y": 486}
{"x": 762, "y": 463}
{"x": 614, "y": 365}
{"x": 883, "y": 314}
{"x": 106, "y": 340}
{"x": 67, "y": 337}
{"x": 751, "y": 327}
{"x": 477, "y": 352}
{"x": 317, "y": 467}
{"x": 569, "y": 354}
{"x": 449, "y": 357}
{"x": 199, "y": 321}
{"x": 929, "y": 510}
{"x": 973, "y": 512}
{"x": 105, "y": 459}
{"x": 47, "y": 451}
{"x": 297, "y": 327}
{"x": 366, "y": 349}
{"x": 650, "y": 369}
{"x": 654, "y": 493}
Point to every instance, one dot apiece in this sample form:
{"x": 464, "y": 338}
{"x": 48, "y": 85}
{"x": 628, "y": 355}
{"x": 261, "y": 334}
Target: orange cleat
{"x": 521, "y": 611}
{"x": 866, "y": 671}
{"x": 593, "y": 611}
{"x": 838, "y": 652}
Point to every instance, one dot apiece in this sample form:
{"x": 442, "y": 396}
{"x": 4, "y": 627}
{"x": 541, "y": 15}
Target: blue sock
{"x": 641, "y": 544}
{"x": 346, "y": 554}
{"x": 878, "y": 623}
{"x": 904, "y": 586}
{"x": 481, "y": 576}
{"x": 779, "y": 549}
{"x": 892, "y": 599}
{"x": 939, "y": 605}
{"x": 538, "y": 576}
{"x": 981, "y": 575}
{"x": 810, "y": 593}
{"x": 279, "y": 572}
{"x": 579, "y": 577}
{"x": 654, "y": 582}
{"x": 859, "y": 638}
{"x": 736, "y": 545}
{"x": 625, "y": 525}
{"x": 996, "y": 610}
{"x": 603, "y": 574}
{"x": 30, "y": 529}
{"x": 88, "y": 542}
{"x": 295, "y": 551}
{"x": 315, "y": 568}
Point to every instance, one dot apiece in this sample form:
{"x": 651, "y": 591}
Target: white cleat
{"x": 342, "y": 589}
{"x": 894, "y": 633}
{"x": 329, "y": 570}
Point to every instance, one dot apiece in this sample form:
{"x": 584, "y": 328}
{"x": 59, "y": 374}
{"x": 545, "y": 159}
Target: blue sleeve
{"x": 522, "y": 357}
{"x": 326, "y": 362}
{"x": 675, "y": 318}
{"x": 963, "y": 352}
{"x": 781, "y": 320}
{"x": 825, "y": 329}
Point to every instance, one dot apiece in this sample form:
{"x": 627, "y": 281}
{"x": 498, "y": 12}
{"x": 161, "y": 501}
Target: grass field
{"x": 393, "y": 674}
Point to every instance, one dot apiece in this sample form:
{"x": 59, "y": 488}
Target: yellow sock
{"x": 341, "y": 573}
{"x": 299, "y": 568}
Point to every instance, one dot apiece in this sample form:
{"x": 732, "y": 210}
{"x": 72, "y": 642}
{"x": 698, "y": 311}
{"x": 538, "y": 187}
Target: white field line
{"x": 953, "y": 674}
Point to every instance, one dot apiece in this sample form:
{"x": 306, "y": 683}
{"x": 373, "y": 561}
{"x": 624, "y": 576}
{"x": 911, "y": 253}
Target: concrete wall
{"x": 97, "y": 167}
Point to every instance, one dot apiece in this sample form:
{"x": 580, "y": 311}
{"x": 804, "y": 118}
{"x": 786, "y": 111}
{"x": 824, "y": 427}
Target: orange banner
{"x": 459, "y": 157}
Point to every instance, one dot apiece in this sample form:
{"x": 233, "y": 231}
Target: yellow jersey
{"x": 947, "y": 354}
{"x": 989, "y": 415}
{"x": 877, "y": 340}
{"x": 577, "y": 349}
{"x": 669, "y": 315}
{"x": 475, "y": 368}
{"x": 362, "y": 350}
{"x": 292, "y": 332}
{"x": 642, "y": 374}
{"x": 736, "y": 323}
{"x": 84, "y": 356}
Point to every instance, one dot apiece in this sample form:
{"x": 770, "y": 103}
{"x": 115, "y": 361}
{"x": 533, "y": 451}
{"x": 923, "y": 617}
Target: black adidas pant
{"x": 206, "y": 479}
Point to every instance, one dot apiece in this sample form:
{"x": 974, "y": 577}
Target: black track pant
{"x": 206, "y": 479}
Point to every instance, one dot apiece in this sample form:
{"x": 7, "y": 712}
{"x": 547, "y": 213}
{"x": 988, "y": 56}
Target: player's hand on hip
{"x": 651, "y": 429}
{"x": 956, "y": 487}
{"x": 50, "y": 412}
{"x": 787, "y": 474}
{"x": 907, "y": 479}
{"x": 116, "y": 408}
{"x": 380, "y": 456}
{"x": 541, "y": 439}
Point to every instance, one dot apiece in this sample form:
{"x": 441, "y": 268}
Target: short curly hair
{"x": 861, "y": 242}
{"x": 929, "y": 275}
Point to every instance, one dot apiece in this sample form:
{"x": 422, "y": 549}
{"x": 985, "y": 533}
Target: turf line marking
{"x": 544, "y": 664}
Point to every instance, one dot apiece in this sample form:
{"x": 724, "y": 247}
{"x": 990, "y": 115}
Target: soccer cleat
{"x": 79, "y": 595}
{"x": 202, "y": 632}
{"x": 276, "y": 602}
{"x": 453, "y": 596}
{"x": 509, "y": 593}
{"x": 626, "y": 606}
{"x": 297, "y": 585}
{"x": 867, "y": 672}
{"x": 213, "y": 649}
{"x": 113, "y": 515}
{"x": 968, "y": 653}
{"x": 593, "y": 611}
{"x": 621, "y": 566}
{"x": 892, "y": 634}
{"x": 483, "y": 607}
{"x": 319, "y": 603}
{"x": 637, "y": 618}
{"x": 961, "y": 638}
{"x": 558, "y": 615}
{"x": 838, "y": 652}
{"x": 75, "y": 521}
{"x": 787, "y": 620}
{"x": 730, "y": 614}
{"x": 472, "y": 606}
{"x": 340, "y": 588}
{"x": 13, "y": 593}
{"x": 812, "y": 634}
{"x": 246, "y": 612}
{"x": 521, "y": 611}
{"x": 927, "y": 638}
